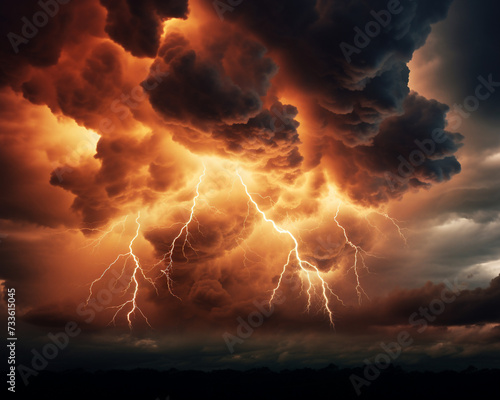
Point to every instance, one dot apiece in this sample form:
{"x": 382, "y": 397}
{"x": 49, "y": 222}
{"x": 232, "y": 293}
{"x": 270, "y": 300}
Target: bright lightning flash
{"x": 183, "y": 231}
{"x": 133, "y": 282}
{"x": 182, "y": 239}
{"x": 305, "y": 266}
{"x": 358, "y": 255}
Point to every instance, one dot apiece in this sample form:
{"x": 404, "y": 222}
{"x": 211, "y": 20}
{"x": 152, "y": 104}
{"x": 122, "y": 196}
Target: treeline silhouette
{"x": 327, "y": 383}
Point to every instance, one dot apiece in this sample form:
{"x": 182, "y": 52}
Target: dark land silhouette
{"x": 327, "y": 383}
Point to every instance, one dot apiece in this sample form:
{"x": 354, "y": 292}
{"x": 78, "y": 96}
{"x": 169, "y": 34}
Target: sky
{"x": 290, "y": 183}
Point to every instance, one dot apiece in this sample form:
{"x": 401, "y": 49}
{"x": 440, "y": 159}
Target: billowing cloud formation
{"x": 355, "y": 92}
{"x": 40, "y": 45}
{"x": 200, "y": 91}
{"x": 113, "y": 110}
{"x": 353, "y": 100}
{"x": 214, "y": 96}
{"x": 137, "y": 25}
{"x": 462, "y": 306}
{"x": 411, "y": 150}
{"x": 271, "y": 89}
{"x": 233, "y": 93}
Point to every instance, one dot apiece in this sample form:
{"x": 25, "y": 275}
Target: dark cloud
{"x": 137, "y": 25}
{"x": 222, "y": 101}
{"x": 199, "y": 92}
{"x": 363, "y": 92}
{"x": 91, "y": 201}
{"x": 81, "y": 93}
{"x": 51, "y": 315}
{"x": 209, "y": 293}
{"x": 43, "y": 45}
{"x": 214, "y": 98}
{"x": 479, "y": 204}
{"x": 412, "y": 150}
{"x": 269, "y": 132}
{"x": 216, "y": 92}
{"x": 362, "y": 101}
{"x": 465, "y": 54}
{"x": 467, "y": 306}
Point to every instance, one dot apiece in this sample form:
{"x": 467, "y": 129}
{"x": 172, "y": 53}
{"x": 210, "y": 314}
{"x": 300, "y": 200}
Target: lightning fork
{"x": 395, "y": 223}
{"x": 97, "y": 242}
{"x": 385, "y": 215}
{"x": 307, "y": 267}
{"x": 184, "y": 230}
{"x": 358, "y": 251}
{"x": 134, "y": 283}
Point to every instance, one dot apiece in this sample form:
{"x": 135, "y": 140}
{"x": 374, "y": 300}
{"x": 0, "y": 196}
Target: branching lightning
{"x": 385, "y": 215}
{"x": 97, "y": 242}
{"x": 358, "y": 256}
{"x": 168, "y": 256}
{"x": 133, "y": 282}
{"x": 312, "y": 278}
{"x": 395, "y": 222}
{"x": 305, "y": 266}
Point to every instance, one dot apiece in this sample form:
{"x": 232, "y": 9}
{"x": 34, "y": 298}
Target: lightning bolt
{"x": 247, "y": 250}
{"x": 133, "y": 282}
{"x": 385, "y": 215}
{"x": 395, "y": 222}
{"x": 184, "y": 231}
{"x": 359, "y": 252}
{"x": 358, "y": 255}
{"x": 305, "y": 266}
{"x": 97, "y": 242}
{"x": 312, "y": 279}
{"x": 138, "y": 273}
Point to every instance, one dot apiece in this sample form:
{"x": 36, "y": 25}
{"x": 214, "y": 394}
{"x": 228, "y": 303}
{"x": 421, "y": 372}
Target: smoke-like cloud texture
{"x": 123, "y": 120}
